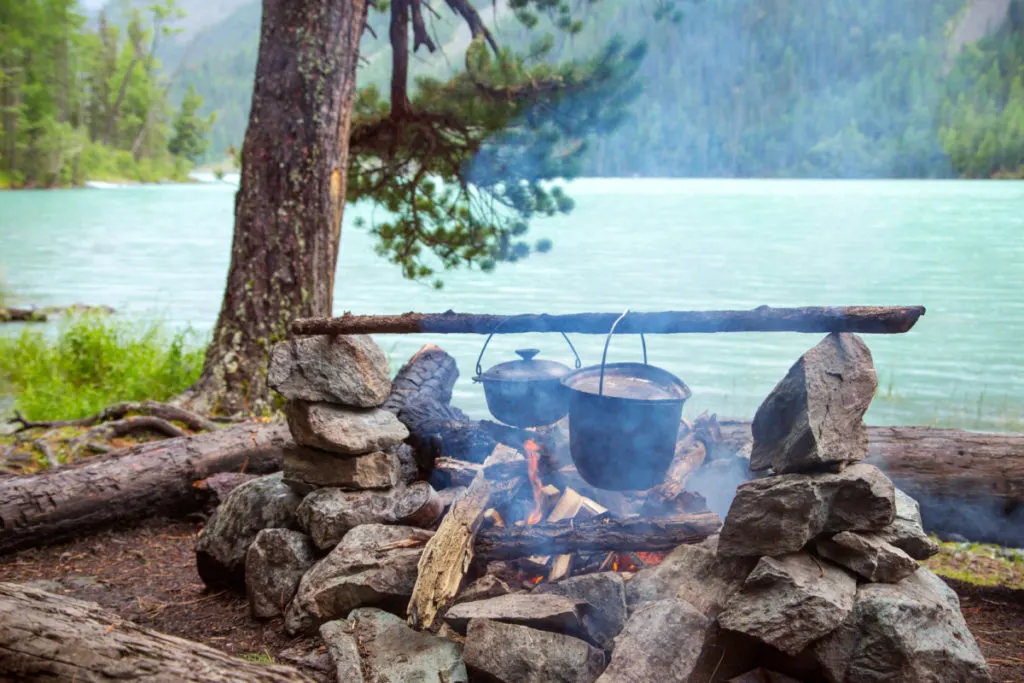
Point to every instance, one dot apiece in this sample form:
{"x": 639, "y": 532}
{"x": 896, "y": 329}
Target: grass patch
{"x": 93, "y": 361}
{"x": 259, "y": 657}
{"x": 980, "y": 564}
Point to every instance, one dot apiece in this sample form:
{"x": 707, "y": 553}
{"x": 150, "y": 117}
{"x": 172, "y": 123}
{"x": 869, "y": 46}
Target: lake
{"x": 956, "y": 247}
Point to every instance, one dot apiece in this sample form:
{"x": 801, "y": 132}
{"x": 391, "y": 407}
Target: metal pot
{"x": 624, "y": 421}
{"x": 526, "y": 392}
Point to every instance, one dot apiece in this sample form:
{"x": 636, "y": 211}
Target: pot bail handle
{"x": 479, "y": 359}
{"x": 604, "y": 355}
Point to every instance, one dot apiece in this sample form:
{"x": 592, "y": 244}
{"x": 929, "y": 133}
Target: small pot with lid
{"x": 527, "y": 392}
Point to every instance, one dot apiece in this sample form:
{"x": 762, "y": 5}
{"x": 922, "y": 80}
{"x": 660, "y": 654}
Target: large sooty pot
{"x": 526, "y": 392}
{"x": 624, "y": 421}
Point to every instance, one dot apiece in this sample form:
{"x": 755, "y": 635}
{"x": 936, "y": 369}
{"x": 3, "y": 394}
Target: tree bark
{"x": 861, "y": 319}
{"x": 289, "y": 206}
{"x": 50, "y": 637}
{"x": 143, "y": 481}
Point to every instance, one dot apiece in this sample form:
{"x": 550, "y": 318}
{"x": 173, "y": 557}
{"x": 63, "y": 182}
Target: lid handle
{"x": 479, "y": 359}
{"x": 643, "y": 342}
{"x": 527, "y": 354}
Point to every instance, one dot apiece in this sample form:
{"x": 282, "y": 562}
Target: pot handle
{"x": 643, "y": 342}
{"x": 479, "y": 359}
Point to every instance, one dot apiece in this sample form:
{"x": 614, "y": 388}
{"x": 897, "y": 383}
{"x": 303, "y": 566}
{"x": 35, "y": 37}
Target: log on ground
{"x": 50, "y": 637}
{"x": 143, "y": 481}
{"x": 636, "y": 534}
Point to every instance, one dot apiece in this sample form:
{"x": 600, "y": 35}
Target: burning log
{"x": 821, "y": 319}
{"x": 595, "y": 535}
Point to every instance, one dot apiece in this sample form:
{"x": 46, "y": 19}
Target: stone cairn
{"x": 814, "y": 576}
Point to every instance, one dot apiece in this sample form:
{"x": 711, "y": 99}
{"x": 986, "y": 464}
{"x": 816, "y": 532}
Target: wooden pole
{"x": 861, "y": 319}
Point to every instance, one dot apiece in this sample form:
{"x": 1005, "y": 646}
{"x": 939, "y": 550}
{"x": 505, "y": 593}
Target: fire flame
{"x": 532, "y": 466}
{"x": 651, "y": 559}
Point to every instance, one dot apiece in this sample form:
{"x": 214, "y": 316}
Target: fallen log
{"x": 633, "y": 534}
{"x": 50, "y": 637}
{"x": 41, "y": 315}
{"x": 165, "y": 411}
{"x": 143, "y": 481}
{"x": 820, "y": 319}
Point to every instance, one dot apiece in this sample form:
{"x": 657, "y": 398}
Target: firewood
{"x": 596, "y": 535}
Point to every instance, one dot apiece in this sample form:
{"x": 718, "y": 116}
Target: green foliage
{"x": 92, "y": 362}
{"x": 190, "y": 130}
{"x": 76, "y": 97}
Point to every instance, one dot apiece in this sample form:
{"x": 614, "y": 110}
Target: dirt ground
{"x": 147, "y": 574}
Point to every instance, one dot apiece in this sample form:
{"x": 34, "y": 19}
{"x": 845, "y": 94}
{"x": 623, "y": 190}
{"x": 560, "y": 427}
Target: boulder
{"x": 912, "y": 631}
{"x": 869, "y": 555}
{"x": 662, "y": 641}
{"x": 544, "y": 612}
{"x": 604, "y": 594}
{"x": 695, "y": 573}
{"x": 306, "y": 469}
{"x": 369, "y": 568}
{"x": 762, "y": 676}
{"x": 381, "y": 648}
{"x": 328, "y": 514}
{"x": 274, "y": 565}
{"x": 263, "y": 503}
{"x": 346, "y": 431}
{"x": 779, "y": 515}
{"x": 907, "y": 531}
{"x": 814, "y": 417}
{"x": 510, "y": 653}
{"x": 348, "y": 370}
{"x": 487, "y": 586}
{"x": 790, "y": 601}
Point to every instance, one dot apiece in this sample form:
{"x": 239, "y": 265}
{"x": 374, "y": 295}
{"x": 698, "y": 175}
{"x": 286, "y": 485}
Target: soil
{"x": 147, "y": 574}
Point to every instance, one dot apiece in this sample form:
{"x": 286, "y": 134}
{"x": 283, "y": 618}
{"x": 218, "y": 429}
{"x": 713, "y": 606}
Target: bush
{"x": 92, "y": 362}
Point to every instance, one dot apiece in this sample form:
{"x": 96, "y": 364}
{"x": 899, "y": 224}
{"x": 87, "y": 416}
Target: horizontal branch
{"x": 595, "y": 535}
{"x": 862, "y": 319}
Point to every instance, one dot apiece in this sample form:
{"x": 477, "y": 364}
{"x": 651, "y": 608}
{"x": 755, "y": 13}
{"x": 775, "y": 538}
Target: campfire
{"x": 509, "y": 552}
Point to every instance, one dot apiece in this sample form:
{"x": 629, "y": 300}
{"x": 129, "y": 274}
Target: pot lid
{"x": 629, "y": 380}
{"x": 526, "y": 370}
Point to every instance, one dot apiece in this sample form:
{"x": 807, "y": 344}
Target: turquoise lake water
{"x": 956, "y": 247}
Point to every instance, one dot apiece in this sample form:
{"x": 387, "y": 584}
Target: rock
{"x": 814, "y": 417}
{"x": 348, "y": 370}
{"x": 308, "y": 468}
{"x": 328, "y": 514}
{"x": 694, "y": 573}
{"x": 369, "y": 568}
{"x": 510, "y": 653}
{"x": 869, "y": 555}
{"x": 311, "y": 657}
{"x": 762, "y": 676}
{"x": 725, "y": 654}
{"x": 544, "y": 612}
{"x": 487, "y": 586}
{"x": 662, "y": 641}
{"x": 779, "y": 515}
{"x": 605, "y": 596}
{"x": 263, "y": 503}
{"x": 911, "y": 631}
{"x": 409, "y": 469}
{"x": 790, "y": 601}
{"x": 907, "y": 531}
{"x": 216, "y": 488}
{"x": 274, "y": 565}
{"x": 386, "y": 650}
{"x": 346, "y": 431}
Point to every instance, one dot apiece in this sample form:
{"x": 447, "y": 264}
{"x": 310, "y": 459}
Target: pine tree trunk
{"x": 288, "y": 209}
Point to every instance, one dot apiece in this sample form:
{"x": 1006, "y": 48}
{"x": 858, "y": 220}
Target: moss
{"x": 980, "y": 564}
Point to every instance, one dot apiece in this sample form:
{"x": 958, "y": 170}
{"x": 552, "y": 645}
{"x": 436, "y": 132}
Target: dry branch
{"x": 861, "y": 319}
{"x": 167, "y": 412}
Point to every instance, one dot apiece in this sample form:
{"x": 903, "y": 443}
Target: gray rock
{"x": 907, "y": 531}
{"x": 386, "y": 650}
{"x": 544, "y": 612}
{"x": 328, "y": 514}
{"x": 510, "y": 653}
{"x": 487, "y": 586}
{"x": 605, "y": 596}
{"x": 869, "y": 555}
{"x": 695, "y": 573}
{"x": 409, "y": 469}
{"x": 763, "y": 676}
{"x": 346, "y": 431}
{"x": 310, "y": 657}
{"x": 369, "y": 568}
{"x": 308, "y": 468}
{"x": 779, "y": 515}
{"x": 814, "y": 417}
{"x": 348, "y": 370}
{"x": 788, "y": 602}
{"x": 274, "y": 565}
{"x": 263, "y": 503}
{"x": 662, "y": 641}
{"x": 912, "y": 631}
